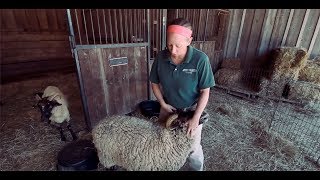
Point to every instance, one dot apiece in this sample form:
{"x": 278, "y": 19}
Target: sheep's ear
{"x": 38, "y": 96}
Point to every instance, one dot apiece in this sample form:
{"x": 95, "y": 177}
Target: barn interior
{"x": 264, "y": 110}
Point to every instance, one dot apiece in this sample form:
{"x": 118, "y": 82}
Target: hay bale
{"x": 311, "y": 72}
{"x": 231, "y": 63}
{"x": 228, "y": 77}
{"x": 303, "y": 91}
{"x": 273, "y": 87}
{"x": 287, "y": 62}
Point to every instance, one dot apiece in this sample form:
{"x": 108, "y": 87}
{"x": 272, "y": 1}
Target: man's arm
{"x": 157, "y": 92}
{"x": 201, "y": 105}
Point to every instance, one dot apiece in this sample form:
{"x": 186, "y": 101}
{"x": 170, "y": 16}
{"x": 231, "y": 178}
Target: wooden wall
{"x": 33, "y": 41}
{"x": 253, "y": 32}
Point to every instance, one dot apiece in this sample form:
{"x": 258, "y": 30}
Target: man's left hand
{"x": 192, "y": 126}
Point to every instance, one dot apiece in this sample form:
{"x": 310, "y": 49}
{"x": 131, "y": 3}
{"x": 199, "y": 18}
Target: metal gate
{"x": 111, "y": 48}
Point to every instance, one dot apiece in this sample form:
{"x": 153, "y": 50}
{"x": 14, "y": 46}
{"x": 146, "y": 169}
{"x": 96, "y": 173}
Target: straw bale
{"x": 229, "y": 78}
{"x": 311, "y": 72}
{"x": 273, "y": 88}
{"x": 231, "y": 63}
{"x": 303, "y": 91}
{"x": 288, "y": 61}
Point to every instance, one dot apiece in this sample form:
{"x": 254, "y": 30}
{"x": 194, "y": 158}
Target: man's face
{"x": 177, "y": 45}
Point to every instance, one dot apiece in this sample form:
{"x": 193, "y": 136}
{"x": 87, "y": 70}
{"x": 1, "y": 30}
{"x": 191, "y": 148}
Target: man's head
{"x": 179, "y": 37}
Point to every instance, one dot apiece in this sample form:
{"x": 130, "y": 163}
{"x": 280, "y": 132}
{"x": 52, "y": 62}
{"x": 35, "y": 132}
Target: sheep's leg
{"x": 74, "y": 136}
{"x": 63, "y": 138}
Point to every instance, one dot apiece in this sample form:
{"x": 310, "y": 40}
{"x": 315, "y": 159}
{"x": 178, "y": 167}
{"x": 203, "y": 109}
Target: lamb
{"x": 140, "y": 145}
{"x": 54, "y": 108}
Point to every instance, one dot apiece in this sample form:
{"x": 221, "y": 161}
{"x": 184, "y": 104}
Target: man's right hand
{"x": 168, "y": 108}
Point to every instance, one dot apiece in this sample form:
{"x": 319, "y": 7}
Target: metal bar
{"x": 205, "y": 26}
{"x": 314, "y": 36}
{"x": 85, "y": 25}
{"x": 126, "y": 28}
{"x": 199, "y": 23}
{"x": 305, "y": 19}
{"x": 105, "y": 26}
{"x": 164, "y": 29}
{"x": 93, "y": 35}
{"x": 148, "y": 54}
{"x": 131, "y": 26}
{"x": 80, "y": 81}
{"x": 110, "y": 26}
{"x": 99, "y": 26}
{"x": 177, "y": 13}
{"x": 116, "y": 25}
{"x": 240, "y": 32}
{"x": 140, "y": 24}
{"x": 78, "y": 26}
{"x": 110, "y": 45}
{"x": 284, "y": 38}
{"x": 121, "y": 27}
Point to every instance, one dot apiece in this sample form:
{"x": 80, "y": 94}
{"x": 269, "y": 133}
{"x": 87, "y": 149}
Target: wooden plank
{"x": 92, "y": 81}
{"x": 43, "y": 20}
{"x": 240, "y": 32}
{"x": 303, "y": 26}
{"x": 284, "y": 38}
{"x": 8, "y": 19}
{"x": 295, "y": 27}
{"x": 279, "y": 28}
{"x": 21, "y": 20}
{"x": 316, "y": 48}
{"x": 35, "y": 44}
{"x": 102, "y": 59}
{"x": 43, "y": 36}
{"x": 23, "y": 55}
{"x": 256, "y": 30}
{"x": 223, "y": 17}
{"x": 267, "y": 30}
{"x": 132, "y": 61}
{"x": 314, "y": 36}
{"x": 309, "y": 29}
{"x": 246, "y": 34}
{"x": 52, "y": 19}
{"x": 62, "y": 19}
{"x": 32, "y": 19}
{"x": 126, "y": 84}
{"x": 22, "y": 71}
{"x": 234, "y": 28}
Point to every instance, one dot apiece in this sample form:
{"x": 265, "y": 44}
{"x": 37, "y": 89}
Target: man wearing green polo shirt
{"x": 181, "y": 77}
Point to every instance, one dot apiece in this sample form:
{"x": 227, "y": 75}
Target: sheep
{"x": 54, "y": 108}
{"x": 141, "y": 145}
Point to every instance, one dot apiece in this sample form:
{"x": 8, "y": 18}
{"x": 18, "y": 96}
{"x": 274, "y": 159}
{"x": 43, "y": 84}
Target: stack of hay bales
{"x": 307, "y": 88}
{"x": 285, "y": 65}
{"x": 229, "y": 74}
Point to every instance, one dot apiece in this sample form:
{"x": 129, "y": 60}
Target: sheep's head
{"x": 45, "y": 106}
{"x": 178, "y": 119}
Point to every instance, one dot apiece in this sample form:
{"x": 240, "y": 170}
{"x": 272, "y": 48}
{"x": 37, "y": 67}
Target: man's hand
{"x": 168, "y": 108}
{"x": 193, "y": 123}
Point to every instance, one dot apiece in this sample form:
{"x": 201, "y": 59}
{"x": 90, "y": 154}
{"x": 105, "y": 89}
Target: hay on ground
{"x": 303, "y": 91}
{"x": 311, "y": 72}
{"x": 274, "y": 87}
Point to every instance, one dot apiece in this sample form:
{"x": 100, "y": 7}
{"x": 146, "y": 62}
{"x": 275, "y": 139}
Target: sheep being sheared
{"x": 141, "y": 145}
{"x": 54, "y": 108}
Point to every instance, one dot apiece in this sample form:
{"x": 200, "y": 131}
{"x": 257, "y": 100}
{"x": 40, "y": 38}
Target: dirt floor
{"x": 241, "y": 135}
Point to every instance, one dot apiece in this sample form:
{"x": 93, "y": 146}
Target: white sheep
{"x": 54, "y": 108}
{"x": 141, "y": 145}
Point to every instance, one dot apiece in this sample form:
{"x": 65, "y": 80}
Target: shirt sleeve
{"x": 154, "y": 77}
{"x": 206, "y": 78}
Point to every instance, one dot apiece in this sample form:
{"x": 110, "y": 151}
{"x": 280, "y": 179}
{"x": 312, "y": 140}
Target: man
{"x": 181, "y": 77}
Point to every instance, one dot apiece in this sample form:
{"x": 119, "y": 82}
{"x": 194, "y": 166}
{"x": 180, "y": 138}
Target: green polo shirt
{"x": 181, "y": 83}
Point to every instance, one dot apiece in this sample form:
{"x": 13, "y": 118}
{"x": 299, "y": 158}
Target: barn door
{"x": 111, "y": 48}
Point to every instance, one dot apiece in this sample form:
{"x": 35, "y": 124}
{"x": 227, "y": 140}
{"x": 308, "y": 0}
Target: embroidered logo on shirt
{"x": 189, "y": 71}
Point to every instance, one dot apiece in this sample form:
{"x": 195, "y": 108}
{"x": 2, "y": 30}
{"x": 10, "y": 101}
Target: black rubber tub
{"x": 150, "y": 108}
{"x": 79, "y": 155}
